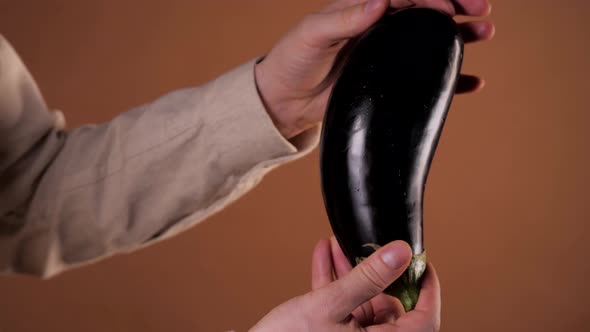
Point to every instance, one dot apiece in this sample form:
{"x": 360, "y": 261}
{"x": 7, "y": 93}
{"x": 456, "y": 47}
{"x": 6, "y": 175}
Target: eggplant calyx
{"x": 407, "y": 287}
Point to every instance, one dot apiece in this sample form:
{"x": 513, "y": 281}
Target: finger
{"x": 321, "y": 265}
{"x": 367, "y": 279}
{"x": 472, "y": 7}
{"x": 341, "y": 4}
{"x": 341, "y": 265}
{"x": 446, "y": 6}
{"x": 364, "y": 313}
{"x": 443, "y": 5}
{"x": 387, "y": 309}
{"x": 469, "y": 83}
{"x": 477, "y": 31}
{"x": 451, "y": 7}
{"x": 387, "y": 327}
{"x": 323, "y": 30}
{"x": 429, "y": 302}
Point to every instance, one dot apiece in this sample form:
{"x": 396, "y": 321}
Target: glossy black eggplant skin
{"x": 382, "y": 126}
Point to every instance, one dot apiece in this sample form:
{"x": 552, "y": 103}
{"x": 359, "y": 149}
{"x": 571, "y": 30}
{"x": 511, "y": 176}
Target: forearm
{"x": 144, "y": 176}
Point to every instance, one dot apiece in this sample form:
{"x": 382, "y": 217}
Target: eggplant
{"x": 380, "y": 131}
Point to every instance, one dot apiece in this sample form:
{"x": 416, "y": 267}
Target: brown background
{"x": 506, "y": 204}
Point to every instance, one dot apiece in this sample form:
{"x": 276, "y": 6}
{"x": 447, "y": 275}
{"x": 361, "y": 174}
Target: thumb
{"x": 367, "y": 279}
{"x": 326, "y": 29}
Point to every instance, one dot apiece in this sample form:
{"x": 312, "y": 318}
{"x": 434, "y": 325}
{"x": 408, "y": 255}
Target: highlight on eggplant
{"x": 381, "y": 128}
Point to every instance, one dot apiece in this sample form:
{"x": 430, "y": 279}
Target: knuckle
{"x": 373, "y": 278}
{"x": 450, "y": 8}
{"x": 308, "y": 22}
{"x": 309, "y": 30}
{"x": 445, "y": 6}
{"x": 345, "y": 17}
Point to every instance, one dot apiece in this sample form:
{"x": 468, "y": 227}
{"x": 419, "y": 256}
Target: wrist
{"x": 285, "y": 117}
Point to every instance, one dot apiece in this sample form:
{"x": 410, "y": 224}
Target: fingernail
{"x": 372, "y": 5}
{"x": 395, "y": 255}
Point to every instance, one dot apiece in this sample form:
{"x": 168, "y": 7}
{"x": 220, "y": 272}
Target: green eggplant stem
{"x": 407, "y": 287}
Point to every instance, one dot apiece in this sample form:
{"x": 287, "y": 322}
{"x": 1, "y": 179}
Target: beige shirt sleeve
{"x": 70, "y": 198}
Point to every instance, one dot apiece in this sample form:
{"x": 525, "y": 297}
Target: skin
{"x": 346, "y": 299}
{"x": 296, "y": 77}
{"x": 295, "y": 81}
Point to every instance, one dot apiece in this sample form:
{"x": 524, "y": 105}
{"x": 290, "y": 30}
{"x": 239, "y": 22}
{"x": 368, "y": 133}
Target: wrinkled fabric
{"x": 69, "y": 198}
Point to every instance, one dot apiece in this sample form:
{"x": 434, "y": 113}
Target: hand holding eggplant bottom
{"x": 354, "y": 299}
